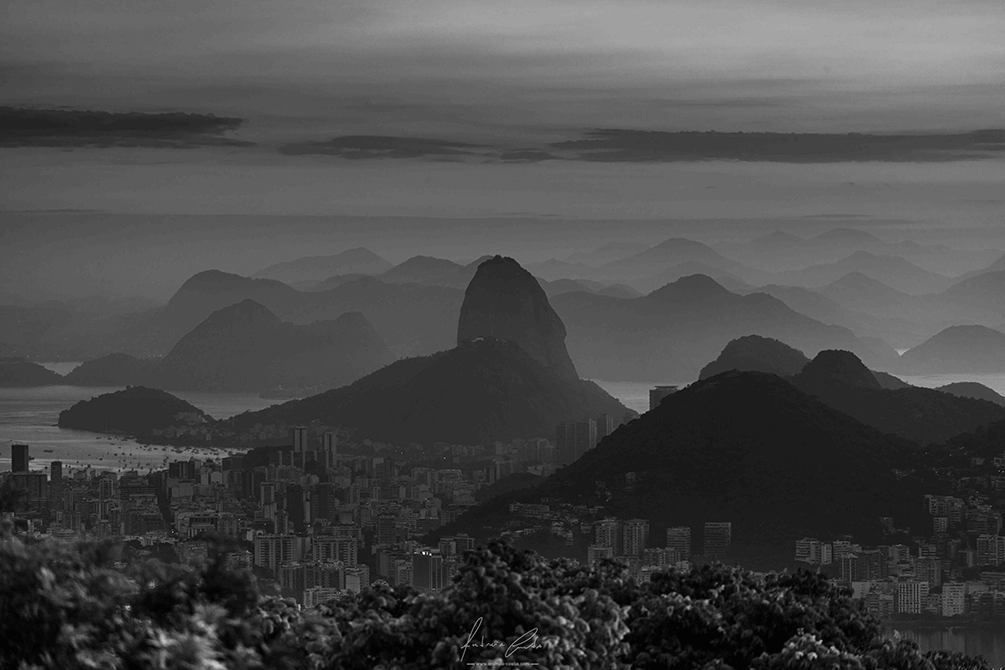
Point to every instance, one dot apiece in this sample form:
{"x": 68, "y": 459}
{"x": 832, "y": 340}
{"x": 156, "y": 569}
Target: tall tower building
{"x": 565, "y": 443}
{"x": 19, "y": 458}
{"x": 679, "y": 538}
{"x": 586, "y": 437}
{"x": 605, "y": 426}
{"x": 427, "y": 570}
{"x": 635, "y": 536}
{"x": 718, "y": 536}
{"x": 329, "y": 449}
{"x": 608, "y": 534}
{"x": 299, "y": 439}
{"x": 56, "y": 484}
{"x": 657, "y": 394}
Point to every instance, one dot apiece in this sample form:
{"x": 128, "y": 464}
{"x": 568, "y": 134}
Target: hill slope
{"x": 926, "y": 416}
{"x": 485, "y": 389}
{"x": 744, "y": 447}
{"x": 958, "y": 349}
{"x": 756, "y": 353}
{"x": 317, "y": 268}
{"x": 16, "y": 372}
{"x": 134, "y": 410}
{"x": 245, "y": 347}
{"x": 672, "y": 332}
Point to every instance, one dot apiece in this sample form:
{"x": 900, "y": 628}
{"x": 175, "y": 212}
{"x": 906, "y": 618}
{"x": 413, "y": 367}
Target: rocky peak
{"x": 505, "y": 301}
{"x": 835, "y": 368}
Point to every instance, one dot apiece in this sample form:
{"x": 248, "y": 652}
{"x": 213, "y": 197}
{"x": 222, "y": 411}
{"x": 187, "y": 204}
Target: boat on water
{"x": 48, "y": 451}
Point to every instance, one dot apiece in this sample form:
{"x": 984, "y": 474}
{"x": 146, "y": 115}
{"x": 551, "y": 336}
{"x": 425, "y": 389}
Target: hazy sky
{"x": 523, "y": 65}
{"x": 506, "y": 79}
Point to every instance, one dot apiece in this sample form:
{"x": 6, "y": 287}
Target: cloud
{"x": 614, "y": 145}
{"x": 380, "y": 146}
{"x": 72, "y": 127}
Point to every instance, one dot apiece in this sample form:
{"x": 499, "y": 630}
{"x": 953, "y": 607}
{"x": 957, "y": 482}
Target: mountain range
{"x": 246, "y": 348}
{"x": 745, "y": 447}
{"x": 509, "y": 376}
{"x": 317, "y": 268}
{"x": 668, "y": 333}
{"x": 875, "y": 398}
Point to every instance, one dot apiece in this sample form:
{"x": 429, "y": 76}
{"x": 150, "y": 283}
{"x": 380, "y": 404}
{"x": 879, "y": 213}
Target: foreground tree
{"x": 67, "y": 605}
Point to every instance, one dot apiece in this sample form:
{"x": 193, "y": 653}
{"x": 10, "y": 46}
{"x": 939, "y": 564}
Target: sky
{"x": 471, "y": 109}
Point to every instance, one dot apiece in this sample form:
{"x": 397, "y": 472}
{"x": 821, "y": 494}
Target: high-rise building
{"x": 329, "y": 449}
{"x": 657, "y": 394}
{"x": 19, "y": 458}
{"x": 386, "y": 528}
{"x": 718, "y": 536}
{"x": 596, "y": 553}
{"x": 272, "y": 550}
{"x": 56, "y": 484}
{"x": 573, "y": 439}
{"x": 635, "y": 537}
{"x": 953, "y": 599}
{"x": 608, "y": 534}
{"x": 586, "y": 437}
{"x": 34, "y": 485}
{"x": 299, "y": 440}
{"x": 318, "y": 595}
{"x": 605, "y": 426}
{"x": 357, "y": 578}
{"x": 679, "y": 538}
{"x": 343, "y": 549}
{"x": 296, "y": 507}
{"x": 910, "y": 596}
{"x": 427, "y": 569}
{"x": 565, "y": 443}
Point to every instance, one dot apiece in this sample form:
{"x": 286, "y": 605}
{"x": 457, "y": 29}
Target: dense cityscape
{"x": 318, "y": 521}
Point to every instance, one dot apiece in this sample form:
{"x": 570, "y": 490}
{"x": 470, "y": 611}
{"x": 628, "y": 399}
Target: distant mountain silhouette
{"x": 845, "y": 236}
{"x": 671, "y": 332}
{"x": 245, "y": 347}
{"x": 892, "y": 383}
{"x": 554, "y": 268}
{"x": 560, "y": 286}
{"x": 973, "y": 390}
{"x": 836, "y": 370}
{"x": 16, "y": 372}
{"x": 212, "y": 290}
{"x": 773, "y": 239}
{"x": 958, "y": 349}
{"x": 620, "y": 291}
{"x": 997, "y": 266}
{"x": 606, "y": 253}
{"x": 925, "y": 416}
{"x": 894, "y": 271}
{"x": 686, "y": 269}
{"x": 783, "y": 252}
{"x": 505, "y": 301}
{"x": 756, "y": 353}
{"x": 509, "y": 376}
{"x": 816, "y": 306}
{"x": 135, "y": 410}
{"x": 674, "y": 251}
{"x": 114, "y": 370}
{"x": 332, "y": 282}
{"x": 429, "y": 270}
{"x": 410, "y": 318}
{"x": 861, "y": 292}
{"x": 483, "y": 390}
{"x": 317, "y": 268}
{"x": 984, "y": 293}
{"x": 744, "y": 447}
